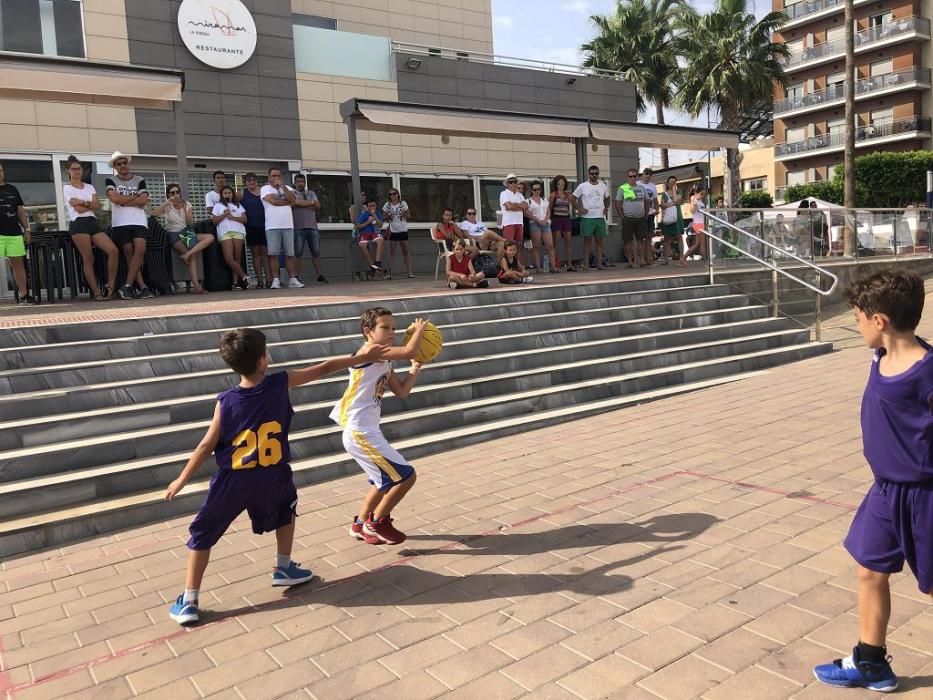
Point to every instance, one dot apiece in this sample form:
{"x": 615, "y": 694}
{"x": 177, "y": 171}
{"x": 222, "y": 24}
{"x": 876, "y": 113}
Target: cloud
{"x": 503, "y": 20}
{"x": 564, "y": 55}
{"x": 581, "y": 7}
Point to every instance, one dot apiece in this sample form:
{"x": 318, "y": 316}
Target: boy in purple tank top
{"x": 894, "y": 523}
{"x": 249, "y": 438}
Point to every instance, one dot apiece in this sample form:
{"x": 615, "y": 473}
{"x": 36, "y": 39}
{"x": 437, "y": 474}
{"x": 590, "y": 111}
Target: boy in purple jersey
{"x": 249, "y": 438}
{"x": 894, "y": 523}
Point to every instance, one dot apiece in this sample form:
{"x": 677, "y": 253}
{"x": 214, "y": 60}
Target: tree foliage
{"x": 756, "y": 199}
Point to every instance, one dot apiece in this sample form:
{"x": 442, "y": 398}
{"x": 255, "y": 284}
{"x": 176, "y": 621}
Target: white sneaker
{"x": 528, "y": 280}
{"x": 452, "y": 284}
{"x": 295, "y": 283}
{"x": 275, "y": 284}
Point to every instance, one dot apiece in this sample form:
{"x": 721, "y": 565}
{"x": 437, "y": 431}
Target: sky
{"x": 553, "y": 30}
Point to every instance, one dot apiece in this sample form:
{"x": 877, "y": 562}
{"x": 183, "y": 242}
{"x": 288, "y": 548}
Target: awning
{"x": 663, "y": 136}
{"x": 416, "y": 118}
{"x": 70, "y": 80}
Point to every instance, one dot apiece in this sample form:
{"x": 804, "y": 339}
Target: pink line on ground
{"x": 5, "y": 683}
{"x": 769, "y": 489}
{"x": 143, "y": 646}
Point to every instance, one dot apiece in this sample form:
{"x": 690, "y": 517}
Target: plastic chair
{"x": 443, "y": 252}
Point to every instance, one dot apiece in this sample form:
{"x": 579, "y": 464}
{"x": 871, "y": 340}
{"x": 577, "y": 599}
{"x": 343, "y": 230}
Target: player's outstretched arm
{"x": 410, "y": 350}
{"x": 403, "y": 388}
{"x": 201, "y": 452}
{"x": 368, "y": 353}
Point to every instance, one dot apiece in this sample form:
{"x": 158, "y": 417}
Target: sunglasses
{"x": 511, "y": 182}
{"x": 471, "y": 213}
{"x": 630, "y": 175}
{"x": 118, "y": 163}
{"x": 535, "y": 189}
{"x": 393, "y": 194}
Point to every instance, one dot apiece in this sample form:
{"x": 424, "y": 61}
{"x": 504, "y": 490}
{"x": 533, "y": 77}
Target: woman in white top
{"x": 81, "y": 202}
{"x": 395, "y": 211}
{"x": 230, "y": 220}
{"x": 699, "y": 223}
{"x": 179, "y": 221}
{"x": 539, "y": 225}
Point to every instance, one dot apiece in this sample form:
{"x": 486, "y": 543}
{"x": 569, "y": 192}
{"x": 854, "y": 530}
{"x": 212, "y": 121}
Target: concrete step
{"x": 188, "y": 363}
{"x": 57, "y": 525}
{"x": 431, "y": 409}
{"x": 36, "y": 336}
{"x": 526, "y": 350}
{"x": 438, "y": 309}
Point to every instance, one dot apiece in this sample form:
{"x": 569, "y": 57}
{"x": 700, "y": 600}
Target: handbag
{"x": 668, "y": 214}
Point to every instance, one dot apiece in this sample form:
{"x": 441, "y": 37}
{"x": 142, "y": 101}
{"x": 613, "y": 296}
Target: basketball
{"x": 431, "y": 342}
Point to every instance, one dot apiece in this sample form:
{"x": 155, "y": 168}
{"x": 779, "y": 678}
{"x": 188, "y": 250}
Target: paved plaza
{"x": 688, "y": 547}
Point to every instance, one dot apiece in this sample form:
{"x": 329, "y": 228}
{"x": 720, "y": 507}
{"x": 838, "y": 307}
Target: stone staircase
{"x": 98, "y": 418}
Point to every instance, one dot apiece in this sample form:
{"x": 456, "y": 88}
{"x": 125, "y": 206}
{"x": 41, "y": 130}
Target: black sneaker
{"x": 125, "y": 292}
{"x": 322, "y": 279}
{"x": 145, "y": 293}
{"x": 28, "y": 299}
{"x": 243, "y": 284}
{"x": 483, "y": 283}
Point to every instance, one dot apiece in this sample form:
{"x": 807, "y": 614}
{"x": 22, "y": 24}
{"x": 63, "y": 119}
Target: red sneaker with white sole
{"x": 383, "y": 530}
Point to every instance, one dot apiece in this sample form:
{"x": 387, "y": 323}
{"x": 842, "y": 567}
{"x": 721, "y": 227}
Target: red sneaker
{"x": 356, "y": 532}
{"x": 383, "y": 530}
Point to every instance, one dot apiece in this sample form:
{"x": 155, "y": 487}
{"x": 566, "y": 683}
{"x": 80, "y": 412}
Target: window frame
{"x": 82, "y": 33}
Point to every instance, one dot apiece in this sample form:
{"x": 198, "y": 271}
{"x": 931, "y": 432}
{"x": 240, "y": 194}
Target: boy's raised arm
{"x": 201, "y": 452}
{"x": 410, "y": 349}
{"x": 370, "y": 353}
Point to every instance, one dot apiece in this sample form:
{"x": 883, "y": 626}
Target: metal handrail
{"x": 819, "y": 270}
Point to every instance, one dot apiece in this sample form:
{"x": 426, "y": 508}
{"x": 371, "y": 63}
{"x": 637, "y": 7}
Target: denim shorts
{"x": 280, "y": 240}
{"x": 313, "y": 238}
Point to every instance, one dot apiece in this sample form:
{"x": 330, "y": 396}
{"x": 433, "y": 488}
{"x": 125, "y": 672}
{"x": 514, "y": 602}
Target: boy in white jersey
{"x": 359, "y": 413}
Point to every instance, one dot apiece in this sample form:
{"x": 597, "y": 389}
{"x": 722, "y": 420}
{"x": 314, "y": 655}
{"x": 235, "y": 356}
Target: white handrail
{"x": 780, "y": 250}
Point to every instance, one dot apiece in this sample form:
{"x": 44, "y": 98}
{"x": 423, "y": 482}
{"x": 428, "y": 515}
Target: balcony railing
{"x": 862, "y": 87}
{"x": 809, "y": 7}
{"x": 875, "y": 130}
{"x": 890, "y": 30}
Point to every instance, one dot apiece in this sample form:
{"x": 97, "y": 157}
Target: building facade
{"x": 276, "y": 102}
{"x": 893, "y": 97}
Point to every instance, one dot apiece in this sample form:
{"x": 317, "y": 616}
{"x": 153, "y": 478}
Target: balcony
{"x": 893, "y": 32}
{"x": 802, "y": 12}
{"x": 874, "y": 133}
{"x": 906, "y": 79}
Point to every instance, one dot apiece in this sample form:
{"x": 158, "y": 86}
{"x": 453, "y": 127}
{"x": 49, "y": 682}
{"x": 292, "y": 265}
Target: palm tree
{"x": 638, "y": 41}
{"x": 732, "y": 64}
{"x": 848, "y": 240}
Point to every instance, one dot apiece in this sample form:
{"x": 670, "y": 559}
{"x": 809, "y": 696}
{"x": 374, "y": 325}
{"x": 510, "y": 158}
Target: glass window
{"x": 329, "y": 52}
{"x": 33, "y": 179}
{"x": 758, "y": 183}
{"x": 335, "y": 194}
{"x": 50, "y": 27}
{"x": 795, "y": 135}
{"x": 882, "y": 67}
{"x": 314, "y": 21}
{"x": 489, "y": 191}
{"x": 427, "y": 197}
{"x": 798, "y": 177}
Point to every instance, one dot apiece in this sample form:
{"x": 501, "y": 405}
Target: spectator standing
{"x": 179, "y": 224}
{"x": 251, "y": 199}
{"x": 483, "y": 238}
{"x": 820, "y": 232}
{"x": 539, "y": 225}
{"x": 14, "y": 235}
{"x": 651, "y": 192}
{"x": 86, "y": 232}
{"x": 561, "y": 224}
{"x": 230, "y": 220}
{"x": 213, "y": 196}
{"x": 304, "y": 213}
{"x": 672, "y": 219}
{"x": 129, "y": 223}
{"x": 277, "y": 199}
{"x": 513, "y": 206}
{"x": 699, "y": 226}
{"x": 369, "y": 230}
{"x": 591, "y": 198}
{"x": 632, "y": 206}
{"x": 396, "y": 213}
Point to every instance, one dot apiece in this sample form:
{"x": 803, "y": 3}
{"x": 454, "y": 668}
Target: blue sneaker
{"x": 852, "y": 672}
{"x": 291, "y": 576}
{"x": 183, "y": 613}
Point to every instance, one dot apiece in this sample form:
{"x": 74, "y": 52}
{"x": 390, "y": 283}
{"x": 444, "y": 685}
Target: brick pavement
{"x": 688, "y": 547}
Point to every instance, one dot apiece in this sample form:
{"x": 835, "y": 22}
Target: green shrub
{"x": 827, "y": 190}
{"x": 890, "y": 179}
{"x": 756, "y": 199}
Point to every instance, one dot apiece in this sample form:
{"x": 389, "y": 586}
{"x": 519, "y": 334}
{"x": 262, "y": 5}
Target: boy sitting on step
{"x": 359, "y": 413}
{"x": 249, "y": 438}
{"x": 894, "y": 523}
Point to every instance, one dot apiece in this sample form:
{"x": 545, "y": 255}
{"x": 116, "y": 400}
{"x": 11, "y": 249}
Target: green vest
{"x": 628, "y": 192}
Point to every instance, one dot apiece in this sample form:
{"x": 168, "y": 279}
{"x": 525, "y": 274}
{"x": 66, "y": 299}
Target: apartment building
{"x": 244, "y": 85}
{"x": 893, "y": 96}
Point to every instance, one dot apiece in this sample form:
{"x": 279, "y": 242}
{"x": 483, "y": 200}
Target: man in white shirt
{"x": 484, "y": 238}
{"x": 591, "y": 199}
{"x": 213, "y": 196}
{"x": 277, "y": 199}
{"x": 513, "y": 206}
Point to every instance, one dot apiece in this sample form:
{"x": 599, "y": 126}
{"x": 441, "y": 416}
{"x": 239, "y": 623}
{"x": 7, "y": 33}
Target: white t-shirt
{"x": 593, "y": 198}
{"x": 83, "y": 194}
{"x": 127, "y": 215}
{"x": 473, "y": 229}
{"x": 276, "y": 216}
{"x": 510, "y": 217}
{"x": 211, "y": 198}
{"x": 229, "y": 224}
{"x": 698, "y": 218}
{"x": 538, "y": 211}
{"x": 651, "y": 190}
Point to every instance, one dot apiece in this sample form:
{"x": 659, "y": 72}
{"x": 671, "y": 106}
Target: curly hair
{"x": 894, "y": 292}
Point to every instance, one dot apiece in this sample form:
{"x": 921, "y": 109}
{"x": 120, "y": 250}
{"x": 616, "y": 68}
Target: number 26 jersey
{"x": 254, "y": 425}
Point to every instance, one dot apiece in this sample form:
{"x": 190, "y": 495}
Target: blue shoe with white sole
{"x": 184, "y": 613}
{"x": 853, "y": 672}
{"x": 291, "y": 576}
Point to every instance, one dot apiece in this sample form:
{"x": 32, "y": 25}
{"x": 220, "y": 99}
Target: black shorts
{"x": 634, "y": 229}
{"x": 397, "y": 236}
{"x": 255, "y": 236}
{"x": 87, "y": 225}
{"x": 125, "y": 235}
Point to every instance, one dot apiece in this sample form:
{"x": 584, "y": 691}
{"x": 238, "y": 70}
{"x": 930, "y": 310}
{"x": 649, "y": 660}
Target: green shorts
{"x": 674, "y": 229}
{"x": 12, "y": 247}
{"x": 593, "y": 227}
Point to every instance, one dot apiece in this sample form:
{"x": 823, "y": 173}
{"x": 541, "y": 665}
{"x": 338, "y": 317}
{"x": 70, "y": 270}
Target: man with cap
{"x": 513, "y": 206}
{"x": 129, "y": 223}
